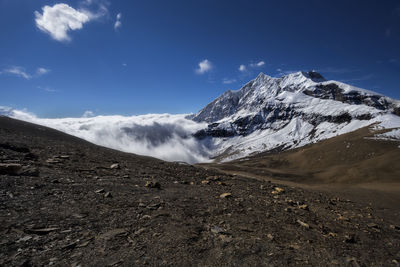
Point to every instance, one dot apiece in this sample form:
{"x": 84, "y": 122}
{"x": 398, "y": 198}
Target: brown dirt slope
{"x": 64, "y": 202}
{"x": 351, "y": 158}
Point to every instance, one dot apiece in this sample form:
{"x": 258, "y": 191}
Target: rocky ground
{"x": 66, "y": 202}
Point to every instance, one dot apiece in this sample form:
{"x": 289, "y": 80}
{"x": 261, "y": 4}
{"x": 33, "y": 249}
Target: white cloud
{"x": 244, "y": 68}
{"x": 257, "y": 65}
{"x": 124, "y": 64}
{"x": 88, "y": 114}
{"x": 17, "y": 71}
{"x": 228, "y": 81}
{"x": 42, "y": 71}
{"x": 59, "y": 19}
{"x": 47, "y": 89}
{"x": 118, "y": 23}
{"x": 204, "y": 66}
{"x": 20, "y": 72}
{"x": 164, "y": 136}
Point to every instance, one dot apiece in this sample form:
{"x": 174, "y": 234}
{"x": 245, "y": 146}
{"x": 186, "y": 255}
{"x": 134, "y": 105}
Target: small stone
{"x": 99, "y": 191}
{"x": 115, "y": 166}
{"x": 83, "y": 244}
{"x": 225, "y": 195}
{"x": 42, "y": 231}
{"x": 225, "y": 238}
{"x": 153, "y": 184}
{"x": 217, "y": 230}
{"x": 24, "y": 239}
{"x": 331, "y": 234}
{"x": 205, "y": 182}
{"x": 350, "y": 238}
{"x": 372, "y": 225}
{"x": 113, "y": 233}
{"x": 278, "y": 190}
{"x": 29, "y": 171}
{"x": 108, "y": 195}
{"x": 53, "y": 161}
{"x": 139, "y": 231}
{"x": 394, "y": 227}
{"x": 304, "y": 207}
{"x": 270, "y": 237}
{"x": 69, "y": 246}
{"x": 342, "y": 218}
{"x": 306, "y": 225}
{"x": 213, "y": 178}
{"x": 352, "y": 261}
{"x": 10, "y": 168}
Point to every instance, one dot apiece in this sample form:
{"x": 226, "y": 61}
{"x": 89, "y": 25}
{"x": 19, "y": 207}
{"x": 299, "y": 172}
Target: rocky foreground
{"x": 66, "y": 202}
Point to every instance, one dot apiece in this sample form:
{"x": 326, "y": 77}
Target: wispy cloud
{"x": 47, "y": 89}
{"x": 17, "y": 71}
{"x": 88, "y": 114}
{"x": 95, "y": 9}
{"x": 228, "y": 81}
{"x": 204, "y": 66}
{"x": 254, "y": 65}
{"x": 42, "y": 71}
{"x": 22, "y": 73}
{"x": 118, "y": 23}
{"x": 258, "y": 64}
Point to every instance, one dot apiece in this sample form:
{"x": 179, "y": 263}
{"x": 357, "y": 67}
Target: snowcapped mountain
{"x": 294, "y": 110}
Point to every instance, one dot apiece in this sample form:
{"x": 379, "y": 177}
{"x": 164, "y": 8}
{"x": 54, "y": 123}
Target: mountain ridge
{"x": 304, "y": 107}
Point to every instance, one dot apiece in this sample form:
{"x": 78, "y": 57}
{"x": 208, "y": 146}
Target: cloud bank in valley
{"x": 165, "y": 136}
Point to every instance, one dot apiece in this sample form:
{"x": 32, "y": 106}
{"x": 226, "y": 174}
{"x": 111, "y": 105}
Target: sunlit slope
{"x": 355, "y": 157}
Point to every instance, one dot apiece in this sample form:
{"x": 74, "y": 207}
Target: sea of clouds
{"x": 165, "y": 136}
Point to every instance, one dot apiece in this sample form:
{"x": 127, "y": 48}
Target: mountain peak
{"x": 262, "y": 77}
{"x": 313, "y": 75}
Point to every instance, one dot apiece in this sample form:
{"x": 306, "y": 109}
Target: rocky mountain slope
{"x": 67, "y": 202}
{"x": 294, "y": 110}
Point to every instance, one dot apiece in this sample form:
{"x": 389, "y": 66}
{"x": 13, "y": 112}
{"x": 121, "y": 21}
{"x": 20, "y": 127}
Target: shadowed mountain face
{"x": 65, "y": 201}
{"x": 291, "y": 111}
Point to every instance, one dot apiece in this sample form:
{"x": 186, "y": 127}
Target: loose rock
{"x": 225, "y": 195}
{"x": 10, "y": 168}
{"x": 153, "y": 184}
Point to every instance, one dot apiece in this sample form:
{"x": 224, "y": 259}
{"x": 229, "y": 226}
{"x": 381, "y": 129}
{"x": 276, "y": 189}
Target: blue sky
{"x": 62, "y": 58}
